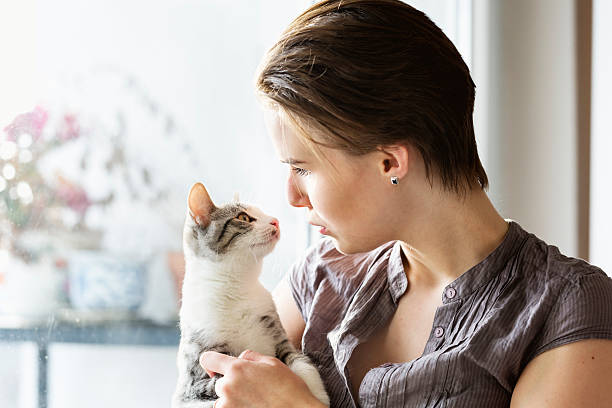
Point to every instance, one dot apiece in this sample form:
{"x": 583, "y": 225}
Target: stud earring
{"x": 394, "y": 180}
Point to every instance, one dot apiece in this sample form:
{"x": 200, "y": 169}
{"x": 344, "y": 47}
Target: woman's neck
{"x": 454, "y": 236}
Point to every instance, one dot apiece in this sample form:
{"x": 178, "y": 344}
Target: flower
{"x": 31, "y": 123}
{"x": 73, "y": 196}
{"x": 76, "y": 167}
{"x": 28, "y": 200}
{"x": 69, "y": 128}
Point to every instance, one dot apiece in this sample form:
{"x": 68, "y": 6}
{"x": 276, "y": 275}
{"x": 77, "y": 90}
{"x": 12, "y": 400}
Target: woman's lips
{"x": 323, "y": 230}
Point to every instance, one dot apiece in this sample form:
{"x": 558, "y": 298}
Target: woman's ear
{"x": 394, "y": 160}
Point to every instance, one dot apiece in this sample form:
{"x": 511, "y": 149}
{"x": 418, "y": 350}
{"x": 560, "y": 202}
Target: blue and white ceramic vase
{"x": 105, "y": 281}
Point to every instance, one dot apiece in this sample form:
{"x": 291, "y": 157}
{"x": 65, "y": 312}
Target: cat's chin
{"x": 264, "y": 248}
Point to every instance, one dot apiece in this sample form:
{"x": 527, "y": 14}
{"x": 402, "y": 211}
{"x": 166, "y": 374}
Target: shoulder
{"x": 537, "y": 299}
{"x": 566, "y": 299}
{"x": 551, "y": 273}
{"x": 551, "y": 264}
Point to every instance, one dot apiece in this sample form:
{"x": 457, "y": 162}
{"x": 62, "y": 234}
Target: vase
{"x": 56, "y": 242}
{"x": 31, "y": 291}
{"x": 104, "y": 281}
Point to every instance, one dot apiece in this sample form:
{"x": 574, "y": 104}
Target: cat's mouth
{"x": 273, "y": 237}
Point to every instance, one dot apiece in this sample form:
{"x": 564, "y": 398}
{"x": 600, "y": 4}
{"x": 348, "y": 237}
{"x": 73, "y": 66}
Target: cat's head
{"x": 228, "y": 233}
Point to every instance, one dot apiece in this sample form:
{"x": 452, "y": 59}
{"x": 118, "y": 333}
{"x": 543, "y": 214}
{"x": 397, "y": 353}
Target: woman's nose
{"x": 295, "y": 196}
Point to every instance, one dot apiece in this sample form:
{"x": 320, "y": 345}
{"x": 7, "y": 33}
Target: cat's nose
{"x": 275, "y": 223}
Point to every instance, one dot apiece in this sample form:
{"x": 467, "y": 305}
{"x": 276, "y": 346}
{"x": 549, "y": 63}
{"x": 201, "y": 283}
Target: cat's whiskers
{"x": 224, "y": 305}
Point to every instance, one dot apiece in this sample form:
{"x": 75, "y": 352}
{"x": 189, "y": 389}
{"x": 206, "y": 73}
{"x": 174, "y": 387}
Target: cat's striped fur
{"x": 224, "y": 306}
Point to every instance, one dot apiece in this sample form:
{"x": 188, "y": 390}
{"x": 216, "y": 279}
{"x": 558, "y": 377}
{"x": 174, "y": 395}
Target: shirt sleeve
{"x": 583, "y": 310}
{"x": 304, "y": 275}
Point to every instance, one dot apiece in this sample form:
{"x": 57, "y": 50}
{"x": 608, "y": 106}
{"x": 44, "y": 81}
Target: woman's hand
{"x": 255, "y": 380}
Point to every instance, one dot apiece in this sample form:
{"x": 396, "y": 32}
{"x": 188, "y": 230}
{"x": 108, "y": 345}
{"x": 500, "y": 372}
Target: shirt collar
{"x": 470, "y": 280}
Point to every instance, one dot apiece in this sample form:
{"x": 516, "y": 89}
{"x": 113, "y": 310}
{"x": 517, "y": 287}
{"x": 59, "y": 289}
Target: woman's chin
{"x": 343, "y": 247}
{"x": 348, "y": 249}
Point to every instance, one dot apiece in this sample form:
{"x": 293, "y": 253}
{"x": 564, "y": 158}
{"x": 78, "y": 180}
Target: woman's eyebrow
{"x": 293, "y": 161}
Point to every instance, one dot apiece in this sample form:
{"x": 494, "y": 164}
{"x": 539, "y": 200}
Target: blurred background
{"x": 110, "y": 110}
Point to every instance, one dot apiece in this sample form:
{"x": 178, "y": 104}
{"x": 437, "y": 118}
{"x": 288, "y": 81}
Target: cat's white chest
{"x": 236, "y": 320}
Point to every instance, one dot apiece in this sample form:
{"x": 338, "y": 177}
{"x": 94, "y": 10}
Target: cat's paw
{"x": 307, "y": 372}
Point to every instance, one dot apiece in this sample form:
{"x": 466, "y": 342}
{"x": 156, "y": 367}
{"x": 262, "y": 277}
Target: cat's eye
{"x": 244, "y": 217}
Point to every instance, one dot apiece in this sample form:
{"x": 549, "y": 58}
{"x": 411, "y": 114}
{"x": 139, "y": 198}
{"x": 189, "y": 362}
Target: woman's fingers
{"x": 253, "y": 356}
{"x": 219, "y": 387}
{"x": 214, "y": 362}
{"x": 254, "y": 380}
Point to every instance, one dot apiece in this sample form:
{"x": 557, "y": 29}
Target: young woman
{"x": 421, "y": 294}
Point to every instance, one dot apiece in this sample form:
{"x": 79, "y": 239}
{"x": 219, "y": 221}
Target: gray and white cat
{"x": 224, "y": 306}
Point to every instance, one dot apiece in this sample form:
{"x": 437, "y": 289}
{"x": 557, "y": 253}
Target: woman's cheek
{"x": 328, "y": 204}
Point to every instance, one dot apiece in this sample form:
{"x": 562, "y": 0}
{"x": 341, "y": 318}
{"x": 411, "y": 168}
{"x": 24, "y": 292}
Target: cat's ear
{"x": 200, "y": 205}
{"x": 236, "y": 197}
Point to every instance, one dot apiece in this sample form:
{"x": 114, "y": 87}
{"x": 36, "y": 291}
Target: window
{"x": 110, "y": 79}
{"x": 132, "y": 102}
{"x": 601, "y": 167}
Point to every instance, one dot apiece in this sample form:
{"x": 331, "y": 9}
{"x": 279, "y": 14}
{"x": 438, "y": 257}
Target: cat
{"x": 224, "y": 306}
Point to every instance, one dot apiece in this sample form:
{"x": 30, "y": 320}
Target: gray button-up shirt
{"x": 524, "y": 298}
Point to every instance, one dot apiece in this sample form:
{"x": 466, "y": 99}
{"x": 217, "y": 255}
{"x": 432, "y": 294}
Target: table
{"x": 137, "y": 332}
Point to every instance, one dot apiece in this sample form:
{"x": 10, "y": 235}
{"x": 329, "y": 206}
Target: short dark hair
{"x": 370, "y": 73}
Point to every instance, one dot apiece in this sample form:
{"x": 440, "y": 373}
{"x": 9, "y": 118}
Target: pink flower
{"x": 73, "y": 196}
{"x": 69, "y": 128}
{"x": 30, "y": 122}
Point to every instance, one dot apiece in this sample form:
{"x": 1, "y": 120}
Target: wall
{"x": 527, "y": 66}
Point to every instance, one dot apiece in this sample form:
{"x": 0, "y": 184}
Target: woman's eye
{"x": 300, "y": 172}
{"x": 244, "y": 217}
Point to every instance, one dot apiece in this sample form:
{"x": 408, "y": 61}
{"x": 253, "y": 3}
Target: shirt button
{"x": 439, "y": 332}
{"x": 450, "y": 293}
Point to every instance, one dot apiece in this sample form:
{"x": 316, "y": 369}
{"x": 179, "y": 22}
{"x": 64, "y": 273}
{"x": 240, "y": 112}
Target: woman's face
{"x": 344, "y": 194}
